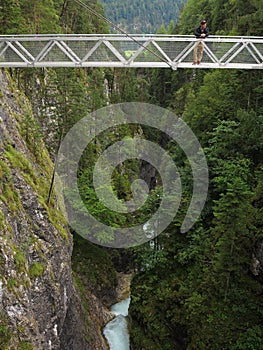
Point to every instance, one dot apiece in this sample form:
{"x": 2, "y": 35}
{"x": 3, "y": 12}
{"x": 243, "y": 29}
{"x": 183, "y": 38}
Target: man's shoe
{"x": 194, "y": 62}
{"x": 198, "y": 62}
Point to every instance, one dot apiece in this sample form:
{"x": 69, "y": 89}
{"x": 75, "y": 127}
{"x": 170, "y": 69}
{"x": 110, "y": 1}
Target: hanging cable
{"x": 100, "y": 16}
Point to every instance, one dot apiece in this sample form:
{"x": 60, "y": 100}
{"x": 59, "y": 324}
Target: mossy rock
{"x": 36, "y": 269}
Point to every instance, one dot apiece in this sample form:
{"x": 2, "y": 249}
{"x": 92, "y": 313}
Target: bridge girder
{"x": 133, "y": 51}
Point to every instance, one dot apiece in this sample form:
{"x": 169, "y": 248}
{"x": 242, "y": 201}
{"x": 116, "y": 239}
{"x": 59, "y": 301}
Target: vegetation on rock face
{"x": 26, "y": 231}
{"x": 36, "y": 269}
{"x": 5, "y": 332}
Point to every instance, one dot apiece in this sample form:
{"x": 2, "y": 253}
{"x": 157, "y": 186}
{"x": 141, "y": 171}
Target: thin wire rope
{"x": 97, "y": 14}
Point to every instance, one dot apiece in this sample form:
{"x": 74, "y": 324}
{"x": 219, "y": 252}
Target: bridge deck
{"x": 136, "y": 50}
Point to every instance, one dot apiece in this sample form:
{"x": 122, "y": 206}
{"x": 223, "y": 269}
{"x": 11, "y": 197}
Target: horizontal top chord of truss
{"x": 135, "y": 50}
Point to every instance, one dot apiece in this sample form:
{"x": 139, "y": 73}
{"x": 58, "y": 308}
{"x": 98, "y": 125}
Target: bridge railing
{"x": 135, "y": 50}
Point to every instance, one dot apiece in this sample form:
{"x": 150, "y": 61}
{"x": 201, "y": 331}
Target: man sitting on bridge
{"x": 200, "y": 33}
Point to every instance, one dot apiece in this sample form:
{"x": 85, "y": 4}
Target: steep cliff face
{"x": 40, "y": 307}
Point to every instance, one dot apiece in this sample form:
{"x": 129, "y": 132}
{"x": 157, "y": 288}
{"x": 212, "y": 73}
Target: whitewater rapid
{"x": 116, "y": 331}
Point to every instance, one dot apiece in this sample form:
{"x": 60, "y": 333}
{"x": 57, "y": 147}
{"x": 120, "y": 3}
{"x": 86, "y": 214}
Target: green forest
{"x": 195, "y": 291}
{"x": 135, "y": 16}
{"x": 198, "y": 291}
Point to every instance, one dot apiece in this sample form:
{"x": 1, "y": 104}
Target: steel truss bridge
{"x": 130, "y": 51}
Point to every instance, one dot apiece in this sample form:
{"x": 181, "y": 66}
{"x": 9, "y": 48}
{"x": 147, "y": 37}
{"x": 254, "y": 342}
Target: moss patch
{"x": 8, "y": 194}
{"x": 11, "y": 284}
{"x": 5, "y": 332}
{"x": 24, "y": 345}
{"x": 18, "y": 161}
{"x": 36, "y": 269}
{"x": 20, "y": 261}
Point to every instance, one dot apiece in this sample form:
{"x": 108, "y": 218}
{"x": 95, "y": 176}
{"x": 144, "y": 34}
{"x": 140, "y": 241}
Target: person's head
{"x": 203, "y": 23}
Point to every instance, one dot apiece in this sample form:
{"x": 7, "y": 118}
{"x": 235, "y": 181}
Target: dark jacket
{"x": 200, "y": 31}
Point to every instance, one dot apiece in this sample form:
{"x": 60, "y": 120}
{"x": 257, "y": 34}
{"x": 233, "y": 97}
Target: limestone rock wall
{"x": 40, "y": 307}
